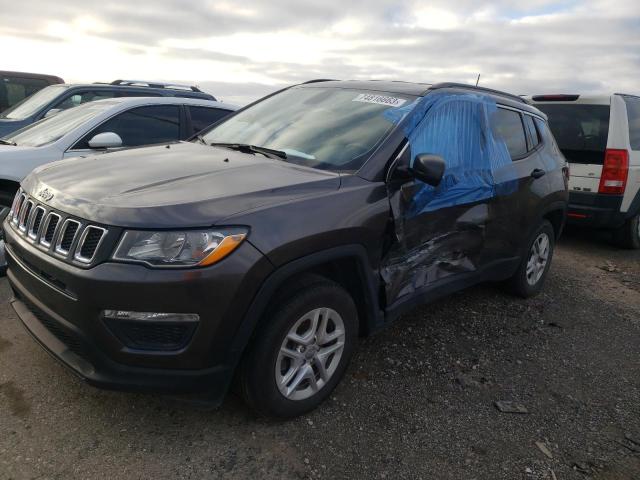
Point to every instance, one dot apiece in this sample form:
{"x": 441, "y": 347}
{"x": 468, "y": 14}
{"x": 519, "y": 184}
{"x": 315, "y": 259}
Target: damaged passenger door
{"x": 444, "y": 232}
{"x": 431, "y": 245}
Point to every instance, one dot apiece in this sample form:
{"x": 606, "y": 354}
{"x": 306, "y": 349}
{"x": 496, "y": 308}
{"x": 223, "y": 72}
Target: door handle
{"x": 537, "y": 173}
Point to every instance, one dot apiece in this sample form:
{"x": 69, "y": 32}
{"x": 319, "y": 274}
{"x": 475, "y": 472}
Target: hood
{"x": 8, "y": 125}
{"x": 180, "y": 185}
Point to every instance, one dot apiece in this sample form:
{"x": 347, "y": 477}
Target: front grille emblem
{"x": 45, "y": 195}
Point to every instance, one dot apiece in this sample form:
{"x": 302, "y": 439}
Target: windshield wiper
{"x": 7, "y": 142}
{"x": 245, "y": 148}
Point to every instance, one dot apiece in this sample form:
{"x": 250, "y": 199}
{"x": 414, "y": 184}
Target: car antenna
{"x": 478, "y": 80}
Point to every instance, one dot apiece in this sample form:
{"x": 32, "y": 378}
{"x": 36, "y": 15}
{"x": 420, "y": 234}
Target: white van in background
{"x": 600, "y": 137}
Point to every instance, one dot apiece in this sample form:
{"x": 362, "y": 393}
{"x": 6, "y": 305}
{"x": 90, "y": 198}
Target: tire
{"x": 265, "y": 366}
{"x": 6, "y": 199}
{"x": 8, "y": 191}
{"x": 527, "y": 281}
{"x": 628, "y": 236}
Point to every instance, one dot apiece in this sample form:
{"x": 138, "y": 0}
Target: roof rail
{"x": 144, "y": 83}
{"x": 481, "y": 89}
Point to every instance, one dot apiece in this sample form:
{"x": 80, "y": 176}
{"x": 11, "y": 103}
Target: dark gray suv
{"x": 55, "y": 98}
{"x": 261, "y": 250}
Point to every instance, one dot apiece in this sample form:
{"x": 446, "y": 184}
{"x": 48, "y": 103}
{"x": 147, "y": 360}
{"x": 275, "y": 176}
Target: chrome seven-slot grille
{"x": 52, "y": 232}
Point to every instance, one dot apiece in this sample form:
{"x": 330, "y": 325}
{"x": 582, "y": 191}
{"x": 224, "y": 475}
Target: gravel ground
{"x": 417, "y": 402}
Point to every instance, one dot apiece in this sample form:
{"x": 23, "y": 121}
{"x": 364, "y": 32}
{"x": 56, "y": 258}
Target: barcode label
{"x": 379, "y": 99}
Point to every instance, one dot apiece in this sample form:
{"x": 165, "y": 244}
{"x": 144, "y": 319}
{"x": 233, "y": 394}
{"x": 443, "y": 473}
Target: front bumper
{"x": 595, "y": 210}
{"x": 60, "y": 305}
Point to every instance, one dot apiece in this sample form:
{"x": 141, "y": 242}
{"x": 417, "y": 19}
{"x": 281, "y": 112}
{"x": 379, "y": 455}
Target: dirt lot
{"x": 417, "y": 402}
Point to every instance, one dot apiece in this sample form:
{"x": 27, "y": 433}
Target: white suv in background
{"x": 600, "y": 137}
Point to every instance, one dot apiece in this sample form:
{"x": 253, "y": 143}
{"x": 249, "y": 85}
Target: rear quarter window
{"x": 534, "y": 136}
{"x": 633, "y": 114}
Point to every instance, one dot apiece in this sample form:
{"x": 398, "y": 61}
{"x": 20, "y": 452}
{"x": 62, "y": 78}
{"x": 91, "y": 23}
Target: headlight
{"x": 187, "y": 248}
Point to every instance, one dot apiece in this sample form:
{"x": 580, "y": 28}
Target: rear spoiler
{"x": 563, "y": 97}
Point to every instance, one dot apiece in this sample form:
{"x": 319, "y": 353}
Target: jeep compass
{"x": 255, "y": 254}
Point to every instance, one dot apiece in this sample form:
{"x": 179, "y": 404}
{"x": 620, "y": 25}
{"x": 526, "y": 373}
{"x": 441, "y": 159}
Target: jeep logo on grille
{"x": 45, "y": 195}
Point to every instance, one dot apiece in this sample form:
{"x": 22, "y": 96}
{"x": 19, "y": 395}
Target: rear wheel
{"x": 300, "y": 352}
{"x": 628, "y": 236}
{"x": 533, "y": 269}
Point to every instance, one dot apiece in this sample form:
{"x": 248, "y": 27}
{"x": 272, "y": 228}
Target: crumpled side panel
{"x": 406, "y": 269}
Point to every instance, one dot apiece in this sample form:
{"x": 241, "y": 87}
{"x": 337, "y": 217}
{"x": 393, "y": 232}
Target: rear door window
{"x": 581, "y": 131}
{"x": 507, "y": 126}
{"x": 141, "y": 126}
{"x": 202, "y": 117}
{"x": 633, "y": 114}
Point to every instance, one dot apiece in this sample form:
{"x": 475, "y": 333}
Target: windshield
{"x": 51, "y": 129}
{"x": 32, "y": 104}
{"x": 581, "y": 130}
{"x": 326, "y": 128}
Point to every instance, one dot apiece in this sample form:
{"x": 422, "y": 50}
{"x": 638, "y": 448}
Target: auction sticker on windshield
{"x": 379, "y": 99}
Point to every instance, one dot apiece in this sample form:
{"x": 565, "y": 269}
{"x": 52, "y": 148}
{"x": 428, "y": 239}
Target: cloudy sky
{"x": 241, "y": 50}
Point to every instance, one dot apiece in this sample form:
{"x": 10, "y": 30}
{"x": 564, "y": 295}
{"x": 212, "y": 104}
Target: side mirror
{"x": 52, "y": 112}
{"x": 428, "y": 168}
{"x": 106, "y": 140}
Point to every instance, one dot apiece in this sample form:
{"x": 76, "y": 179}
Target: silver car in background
{"x": 99, "y": 127}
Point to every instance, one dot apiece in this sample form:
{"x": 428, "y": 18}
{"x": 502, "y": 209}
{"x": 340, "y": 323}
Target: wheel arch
{"x": 347, "y": 265}
{"x": 556, "y": 214}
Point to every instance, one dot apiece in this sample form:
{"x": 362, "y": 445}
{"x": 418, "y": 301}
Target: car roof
{"x": 127, "y": 102}
{"x": 407, "y": 88}
{"x": 422, "y": 89}
{"x": 54, "y": 79}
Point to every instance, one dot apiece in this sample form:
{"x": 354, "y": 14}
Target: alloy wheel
{"x": 310, "y": 353}
{"x": 538, "y": 257}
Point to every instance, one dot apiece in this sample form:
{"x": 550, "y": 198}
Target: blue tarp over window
{"x": 457, "y": 127}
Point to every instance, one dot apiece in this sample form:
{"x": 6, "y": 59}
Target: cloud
{"x": 244, "y": 50}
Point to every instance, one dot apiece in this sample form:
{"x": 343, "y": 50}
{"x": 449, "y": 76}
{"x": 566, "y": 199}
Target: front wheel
{"x": 628, "y": 236}
{"x": 533, "y": 269}
{"x": 300, "y": 352}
